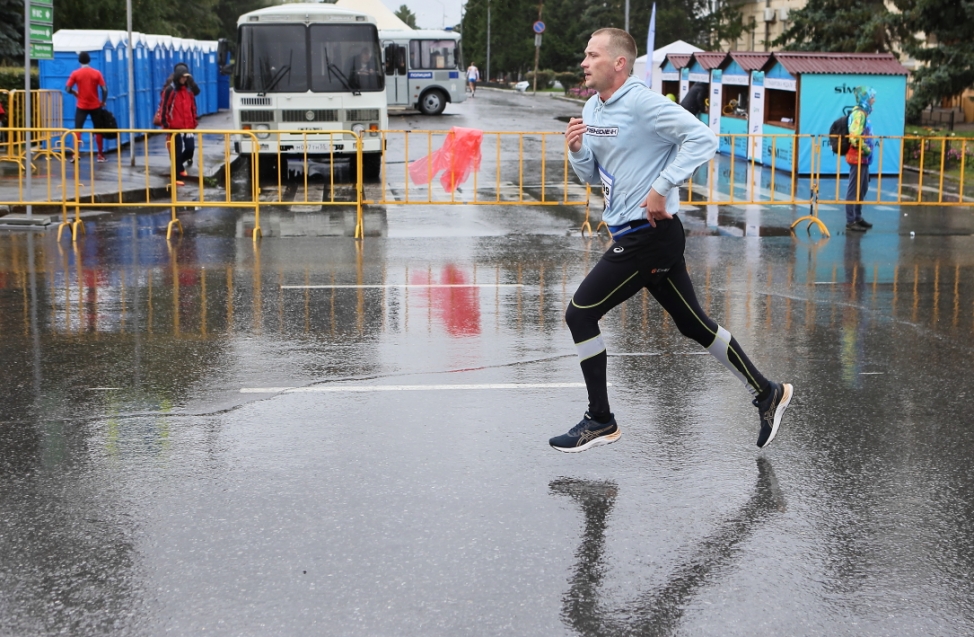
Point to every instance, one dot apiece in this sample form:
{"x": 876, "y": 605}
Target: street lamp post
{"x": 442, "y": 6}
{"x": 488, "y": 41}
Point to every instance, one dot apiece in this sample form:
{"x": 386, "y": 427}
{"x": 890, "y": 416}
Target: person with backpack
{"x": 859, "y": 157}
{"x": 177, "y": 111}
{"x": 85, "y": 84}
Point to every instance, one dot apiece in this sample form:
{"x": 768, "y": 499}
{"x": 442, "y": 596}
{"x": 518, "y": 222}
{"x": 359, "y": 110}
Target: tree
{"x": 11, "y": 29}
{"x": 947, "y": 53}
{"x": 840, "y": 26}
{"x": 406, "y": 16}
{"x": 570, "y": 23}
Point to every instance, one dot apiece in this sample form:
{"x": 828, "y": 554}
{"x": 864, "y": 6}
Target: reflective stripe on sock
{"x": 719, "y": 349}
{"x": 591, "y": 347}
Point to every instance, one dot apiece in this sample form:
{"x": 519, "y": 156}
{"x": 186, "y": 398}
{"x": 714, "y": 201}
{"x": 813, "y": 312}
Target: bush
{"x": 568, "y": 79}
{"x": 545, "y": 78}
{"x": 581, "y": 92}
{"x": 12, "y": 78}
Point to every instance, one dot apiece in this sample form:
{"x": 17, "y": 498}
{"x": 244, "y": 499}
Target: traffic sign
{"x": 537, "y": 39}
{"x": 42, "y": 15}
{"x": 41, "y": 51}
{"x": 538, "y": 27}
{"x": 42, "y": 33}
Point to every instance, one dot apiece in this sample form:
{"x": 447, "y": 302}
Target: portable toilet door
{"x": 212, "y": 78}
{"x": 144, "y": 108}
{"x": 121, "y": 104}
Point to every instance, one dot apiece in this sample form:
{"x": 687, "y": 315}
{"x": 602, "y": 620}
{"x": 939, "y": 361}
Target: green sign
{"x": 41, "y": 51}
{"x": 42, "y": 15}
{"x": 41, "y": 33}
{"x": 45, "y": 3}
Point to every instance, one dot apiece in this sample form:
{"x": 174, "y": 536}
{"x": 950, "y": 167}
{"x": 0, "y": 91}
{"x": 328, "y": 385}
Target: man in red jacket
{"x": 84, "y": 83}
{"x": 179, "y": 113}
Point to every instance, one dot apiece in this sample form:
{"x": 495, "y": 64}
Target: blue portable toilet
{"x": 144, "y": 106}
{"x": 806, "y": 91}
{"x": 736, "y": 79}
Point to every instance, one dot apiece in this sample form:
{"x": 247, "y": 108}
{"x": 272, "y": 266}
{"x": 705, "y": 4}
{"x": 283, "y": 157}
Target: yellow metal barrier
{"x": 46, "y": 116}
{"x": 515, "y": 168}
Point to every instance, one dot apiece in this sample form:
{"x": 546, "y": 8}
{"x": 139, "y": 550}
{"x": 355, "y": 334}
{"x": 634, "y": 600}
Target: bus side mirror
{"x": 223, "y": 53}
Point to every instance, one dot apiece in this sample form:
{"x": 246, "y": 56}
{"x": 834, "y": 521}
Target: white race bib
{"x": 607, "y": 182}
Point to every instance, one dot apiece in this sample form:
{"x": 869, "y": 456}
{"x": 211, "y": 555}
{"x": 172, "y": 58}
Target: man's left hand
{"x": 655, "y": 206}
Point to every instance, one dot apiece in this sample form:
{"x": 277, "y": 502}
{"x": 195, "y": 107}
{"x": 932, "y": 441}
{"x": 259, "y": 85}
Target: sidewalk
{"x": 115, "y": 180}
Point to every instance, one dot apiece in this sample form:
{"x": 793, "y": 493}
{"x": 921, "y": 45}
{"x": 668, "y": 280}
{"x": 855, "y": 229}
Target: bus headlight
{"x": 373, "y": 130}
{"x": 358, "y": 129}
{"x": 262, "y": 127}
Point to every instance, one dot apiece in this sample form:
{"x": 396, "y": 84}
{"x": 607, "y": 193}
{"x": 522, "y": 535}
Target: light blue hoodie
{"x": 639, "y": 140}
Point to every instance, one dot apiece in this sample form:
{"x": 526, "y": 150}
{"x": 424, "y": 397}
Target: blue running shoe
{"x": 587, "y": 434}
{"x": 771, "y": 410}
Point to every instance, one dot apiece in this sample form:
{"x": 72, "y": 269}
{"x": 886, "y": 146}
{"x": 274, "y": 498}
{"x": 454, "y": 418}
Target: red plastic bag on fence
{"x": 458, "y": 157}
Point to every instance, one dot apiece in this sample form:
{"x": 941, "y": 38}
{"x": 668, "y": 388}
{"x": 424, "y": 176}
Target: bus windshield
{"x": 274, "y": 58}
{"x": 345, "y": 57}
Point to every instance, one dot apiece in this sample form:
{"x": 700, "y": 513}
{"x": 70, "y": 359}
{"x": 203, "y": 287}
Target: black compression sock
{"x": 764, "y": 393}
{"x": 601, "y": 418}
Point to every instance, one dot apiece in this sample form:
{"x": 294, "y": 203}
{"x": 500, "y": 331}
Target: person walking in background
{"x": 473, "y": 76}
{"x": 641, "y": 146}
{"x": 859, "y": 158}
{"x": 696, "y": 99}
{"x": 178, "y": 112}
{"x": 85, "y": 83}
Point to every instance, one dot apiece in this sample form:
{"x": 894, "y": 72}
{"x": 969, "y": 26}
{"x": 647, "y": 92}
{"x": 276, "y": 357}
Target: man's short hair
{"x": 84, "y": 58}
{"x": 620, "y": 44}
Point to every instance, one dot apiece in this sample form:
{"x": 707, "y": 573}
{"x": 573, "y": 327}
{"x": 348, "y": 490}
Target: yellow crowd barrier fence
{"x": 311, "y": 171}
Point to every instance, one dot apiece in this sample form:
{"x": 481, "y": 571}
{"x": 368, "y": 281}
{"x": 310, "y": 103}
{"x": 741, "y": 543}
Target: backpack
{"x": 839, "y": 133}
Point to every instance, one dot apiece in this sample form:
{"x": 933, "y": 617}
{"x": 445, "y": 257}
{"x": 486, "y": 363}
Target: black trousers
{"x": 651, "y": 258}
{"x": 185, "y": 146}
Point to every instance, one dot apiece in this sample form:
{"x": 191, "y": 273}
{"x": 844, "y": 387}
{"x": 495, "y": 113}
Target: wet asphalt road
{"x": 156, "y": 478}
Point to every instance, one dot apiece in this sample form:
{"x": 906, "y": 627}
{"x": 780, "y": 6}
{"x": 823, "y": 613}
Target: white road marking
{"x": 379, "y": 388}
{"x": 404, "y": 285}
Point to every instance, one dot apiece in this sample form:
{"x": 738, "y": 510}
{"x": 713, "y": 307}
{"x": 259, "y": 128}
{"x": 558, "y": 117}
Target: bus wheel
{"x": 432, "y": 102}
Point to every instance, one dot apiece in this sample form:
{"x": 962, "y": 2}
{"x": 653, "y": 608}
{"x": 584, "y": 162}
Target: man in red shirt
{"x": 84, "y": 84}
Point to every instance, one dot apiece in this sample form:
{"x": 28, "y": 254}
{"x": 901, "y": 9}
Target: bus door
{"x": 397, "y": 82}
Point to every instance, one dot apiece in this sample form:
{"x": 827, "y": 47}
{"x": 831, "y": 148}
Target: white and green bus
{"x": 423, "y": 68}
{"x": 302, "y": 70}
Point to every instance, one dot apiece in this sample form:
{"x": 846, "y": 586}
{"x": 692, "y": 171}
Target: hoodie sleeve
{"x": 696, "y": 145}
{"x": 583, "y": 162}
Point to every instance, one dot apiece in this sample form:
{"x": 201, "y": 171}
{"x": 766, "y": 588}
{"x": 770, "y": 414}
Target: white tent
{"x": 639, "y": 68}
{"x": 385, "y": 19}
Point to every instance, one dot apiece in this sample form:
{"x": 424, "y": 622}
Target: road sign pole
{"x": 538, "y": 29}
{"x": 28, "y": 196}
{"x": 131, "y": 60}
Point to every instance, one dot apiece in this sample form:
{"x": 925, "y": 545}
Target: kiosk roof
{"x": 797, "y": 62}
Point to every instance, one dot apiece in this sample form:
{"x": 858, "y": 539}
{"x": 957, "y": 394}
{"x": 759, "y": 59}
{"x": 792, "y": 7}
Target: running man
{"x": 641, "y": 147}
{"x": 85, "y": 83}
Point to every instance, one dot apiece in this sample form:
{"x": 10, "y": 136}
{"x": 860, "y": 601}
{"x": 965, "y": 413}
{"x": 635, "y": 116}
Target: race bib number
{"x": 607, "y": 182}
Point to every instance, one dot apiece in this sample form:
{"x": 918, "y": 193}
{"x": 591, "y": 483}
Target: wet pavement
{"x": 312, "y": 435}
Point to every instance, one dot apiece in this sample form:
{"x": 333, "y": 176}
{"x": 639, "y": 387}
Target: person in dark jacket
{"x": 696, "y": 98}
{"x": 178, "y": 112}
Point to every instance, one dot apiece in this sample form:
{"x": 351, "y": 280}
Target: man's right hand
{"x": 576, "y": 128}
